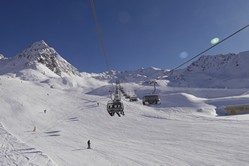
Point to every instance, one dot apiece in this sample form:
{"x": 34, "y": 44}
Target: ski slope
{"x": 14, "y": 152}
{"x": 184, "y": 130}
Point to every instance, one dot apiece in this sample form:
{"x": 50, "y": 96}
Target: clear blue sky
{"x": 137, "y": 33}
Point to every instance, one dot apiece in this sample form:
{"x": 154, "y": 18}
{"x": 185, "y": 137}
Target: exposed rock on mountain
{"x": 40, "y": 52}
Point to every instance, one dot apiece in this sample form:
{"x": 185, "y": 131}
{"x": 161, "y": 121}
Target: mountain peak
{"x": 40, "y": 52}
{"x": 37, "y": 50}
{"x": 1, "y": 56}
{"x": 39, "y": 45}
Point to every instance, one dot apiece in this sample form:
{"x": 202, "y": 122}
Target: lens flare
{"x": 124, "y": 17}
{"x": 183, "y": 55}
{"x": 215, "y": 40}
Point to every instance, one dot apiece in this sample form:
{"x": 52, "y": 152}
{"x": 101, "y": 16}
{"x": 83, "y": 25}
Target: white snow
{"x": 1, "y": 56}
{"x": 186, "y": 129}
{"x": 14, "y": 152}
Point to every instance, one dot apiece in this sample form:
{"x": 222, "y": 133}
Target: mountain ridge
{"x": 219, "y": 71}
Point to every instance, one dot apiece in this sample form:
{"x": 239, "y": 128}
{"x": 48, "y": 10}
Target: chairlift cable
{"x": 236, "y": 32}
{"x": 100, "y": 34}
{"x": 148, "y": 98}
{"x": 115, "y": 106}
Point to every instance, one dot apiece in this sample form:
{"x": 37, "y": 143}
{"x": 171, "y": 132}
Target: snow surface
{"x": 14, "y": 152}
{"x": 183, "y": 130}
{"x": 188, "y": 128}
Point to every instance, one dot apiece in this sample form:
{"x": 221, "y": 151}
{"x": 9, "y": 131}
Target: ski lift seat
{"x": 133, "y": 98}
{"x": 151, "y": 99}
{"x": 115, "y": 106}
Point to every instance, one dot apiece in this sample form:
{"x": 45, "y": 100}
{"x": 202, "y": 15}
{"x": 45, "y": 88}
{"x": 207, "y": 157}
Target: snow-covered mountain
{"x": 40, "y": 62}
{"x": 40, "y": 53}
{"x": 137, "y": 76}
{"x": 220, "y": 71}
{"x": 1, "y": 56}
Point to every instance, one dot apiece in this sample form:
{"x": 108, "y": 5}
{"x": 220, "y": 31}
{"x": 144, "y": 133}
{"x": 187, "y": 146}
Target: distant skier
{"x": 45, "y": 111}
{"x": 97, "y": 104}
{"x": 88, "y": 144}
{"x": 34, "y": 130}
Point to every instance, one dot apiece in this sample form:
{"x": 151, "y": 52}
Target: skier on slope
{"x": 88, "y": 144}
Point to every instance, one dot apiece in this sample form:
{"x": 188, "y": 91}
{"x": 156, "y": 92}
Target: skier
{"x": 45, "y": 111}
{"x": 34, "y": 130}
{"x": 88, "y": 144}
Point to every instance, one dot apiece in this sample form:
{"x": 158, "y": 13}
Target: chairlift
{"x": 115, "y": 106}
{"x": 133, "y": 98}
{"x": 151, "y": 99}
{"x": 127, "y": 96}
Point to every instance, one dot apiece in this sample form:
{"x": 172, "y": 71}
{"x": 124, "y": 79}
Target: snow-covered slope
{"x": 183, "y": 130}
{"x": 220, "y": 71}
{"x": 14, "y": 152}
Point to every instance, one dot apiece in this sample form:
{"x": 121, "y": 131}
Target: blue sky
{"x": 137, "y": 33}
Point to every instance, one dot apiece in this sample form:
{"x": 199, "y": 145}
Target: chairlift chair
{"x": 127, "y": 96}
{"x": 115, "y": 106}
{"x": 133, "y": 98}
{"x": 151, "y": 99}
